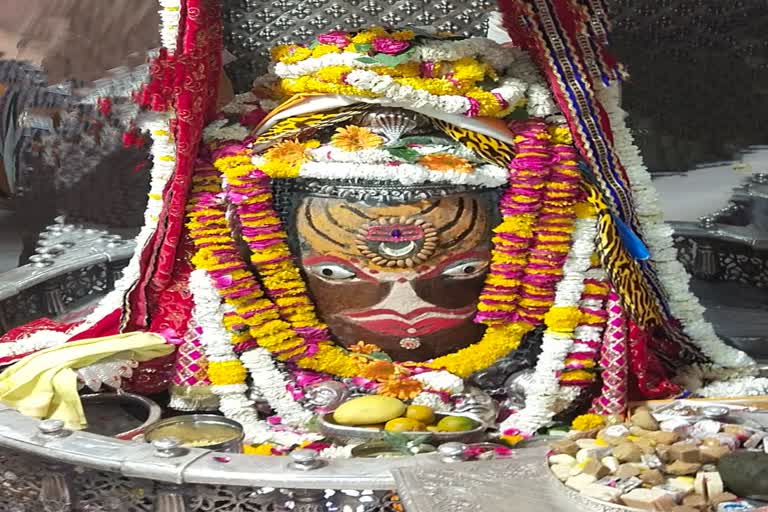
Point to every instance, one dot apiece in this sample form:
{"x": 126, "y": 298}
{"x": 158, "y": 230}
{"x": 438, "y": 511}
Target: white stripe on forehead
{"x": 321, "y": 103}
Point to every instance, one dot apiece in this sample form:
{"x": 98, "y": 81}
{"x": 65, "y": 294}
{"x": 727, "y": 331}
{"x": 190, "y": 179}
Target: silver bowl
{"x": 345, "y": 433}
{"x": 107, "y": 414}
{"x": 200, "y": 421}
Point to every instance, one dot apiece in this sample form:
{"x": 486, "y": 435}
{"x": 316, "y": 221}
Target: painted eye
{"x": 332, "y": 271}
{"x": 466, "y": 269}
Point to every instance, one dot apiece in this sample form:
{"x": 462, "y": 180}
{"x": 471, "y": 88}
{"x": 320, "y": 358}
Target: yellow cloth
{"x": 44, "y": 384}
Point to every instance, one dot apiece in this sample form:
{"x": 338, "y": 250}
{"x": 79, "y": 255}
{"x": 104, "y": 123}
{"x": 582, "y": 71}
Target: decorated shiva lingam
{"x": 385, "y": 218}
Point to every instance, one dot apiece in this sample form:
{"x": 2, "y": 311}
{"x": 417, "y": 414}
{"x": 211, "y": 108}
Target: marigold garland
{"x": 281, "y": 316}
{"x": 248, "y": 189}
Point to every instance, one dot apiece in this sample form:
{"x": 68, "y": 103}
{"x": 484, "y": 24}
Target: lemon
{"x": 376, "y": 426}
{"x": 420, "y": 413}
{"x": 368, "y": 410}
{"x": 404, "y": 425}
{"x": 455, "y": 424}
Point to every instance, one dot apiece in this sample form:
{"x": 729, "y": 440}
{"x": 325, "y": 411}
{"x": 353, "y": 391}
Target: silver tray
{"x": 346, "y": 433}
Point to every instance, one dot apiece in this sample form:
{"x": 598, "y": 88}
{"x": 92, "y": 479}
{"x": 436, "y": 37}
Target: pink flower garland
{"x": 552, "y": 237}
{"x": 519, "y": 207}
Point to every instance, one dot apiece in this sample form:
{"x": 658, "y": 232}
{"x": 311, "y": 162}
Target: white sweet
{"x": 562, "y": 459}
{"x": 580, "y": 482}
{"x": 612, "y": 463}
{"x": 562, "y": 471}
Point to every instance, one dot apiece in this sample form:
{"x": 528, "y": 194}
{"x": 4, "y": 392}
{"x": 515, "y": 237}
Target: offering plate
{"x": 347, "y": 433}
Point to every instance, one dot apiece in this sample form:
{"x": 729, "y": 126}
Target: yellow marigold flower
{"x": 561, "y": 135}
{"x": 324, "y": 49}
{"x": 258, "y": 449}
{"x": 469, "y": 69}
{"x": 290, "y": 53}
{"x": 446, "y": 162}
{"x": 512, "y": 440}
{"x": 362, "y": 347}
{"x": 355, "y": 138}
{"x": 367, "y": 36}
{"x": 562, "y": 318}
{"x": 577, "y": 376}
{"x": 284, "y": 159}
{"x": 378, "y": 370}
{"x": 403, "y": 35}
{"x": 332, "y": 73}
{"x": 588, "y": 422}
{"x": 404, "y": 389}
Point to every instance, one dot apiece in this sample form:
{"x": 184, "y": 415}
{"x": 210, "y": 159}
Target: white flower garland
{"x": 743, "y": 386}
{"x": 272, "y": 385}
{"x": 216, "y": 341}
{"x": 491, "y": 52}
{"x": 521, "y": 78}
{"x": 331, "y": 153}
{"x": 683, "y": 305}
{"x": 170, "y": 16}
{"x": 163, "y": 154}
{"x": 584, "y": 334}
{"x": 545, "y": 391}
{"x": 512, "y": 90}
{"x": 441, "y": 380}
{"x": 407, "y": 174}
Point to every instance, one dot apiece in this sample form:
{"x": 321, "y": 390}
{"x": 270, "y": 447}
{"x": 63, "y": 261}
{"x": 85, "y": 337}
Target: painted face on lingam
{"x": 405, "y": 277}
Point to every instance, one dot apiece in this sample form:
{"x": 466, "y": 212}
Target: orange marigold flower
{"x": 446, "y": 162}
{"x": 289, "y": 152}
{"x": 362, "y": 347}
{"x": 404, "y": 389}
{"x": 355, "y": 138}
{"x": 378, "y": 370}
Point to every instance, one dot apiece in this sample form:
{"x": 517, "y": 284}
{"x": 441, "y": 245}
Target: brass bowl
{"x": 186, "y": 430}
{"x": 347, "y": 434}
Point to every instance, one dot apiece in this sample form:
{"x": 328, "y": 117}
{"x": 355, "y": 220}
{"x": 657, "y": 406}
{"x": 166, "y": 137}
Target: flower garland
{"x": 170, "y": 16}
{"x": 445, "y": 76}
{"x": 163, "y": 150}
{"x": 272, "y": 385}
{"x": 552, "y": 233}
{"x": 257, "y": 314}
{"x": 587, "y": 337}
{"x": 225, "y": 370}
{"x": 344, "y": 49}
{"x": 519, "y": 207}
{"x": 538, "y": 207}
{"x": 683, "y": 305}
{"x": 248, "y": 189}
{"x": 366, "y": 156}
{"x": 545, "y": 393}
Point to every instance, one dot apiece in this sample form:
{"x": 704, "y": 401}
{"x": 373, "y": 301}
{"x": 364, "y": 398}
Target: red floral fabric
{"x": 185, "y": 82}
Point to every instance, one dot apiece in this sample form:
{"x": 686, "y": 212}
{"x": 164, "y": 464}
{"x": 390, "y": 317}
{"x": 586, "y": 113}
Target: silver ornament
{"x": 327, "y": 395}
{"x": 478, "y": 405}
{"x": 515, "y": 387}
